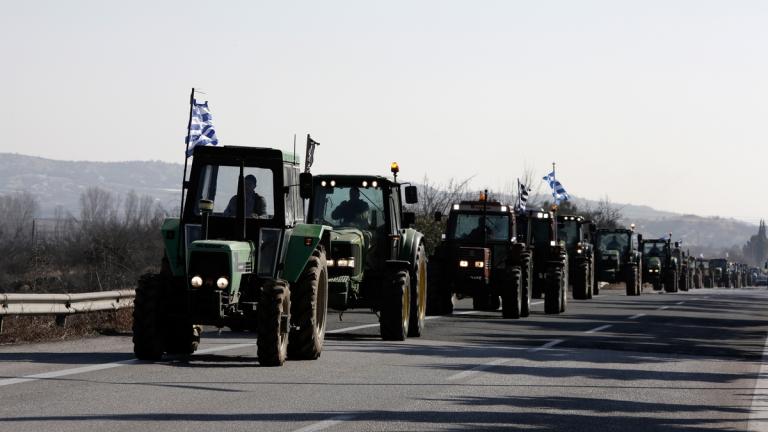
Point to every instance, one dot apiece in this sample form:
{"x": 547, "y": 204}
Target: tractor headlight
{"x": 222, "y": 283}
{"x": 463, "y": 263}
{"x": 345, "y": 262}
{"x": 479, "y": 264}
{"x": 578, "y": 251}
{"x": 331, "y": 263}
{"x": 553, "y": 243}
{"x": 196, "y": 281}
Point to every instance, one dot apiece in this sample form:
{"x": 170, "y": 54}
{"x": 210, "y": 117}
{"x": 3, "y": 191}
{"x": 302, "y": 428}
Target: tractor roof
{"x": 249, "y": 153}
{"x": 353, "y": 179}
{"x": 474, "y": 206}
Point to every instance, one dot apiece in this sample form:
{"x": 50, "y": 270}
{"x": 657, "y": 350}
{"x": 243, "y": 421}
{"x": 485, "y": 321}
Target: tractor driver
{"x": 353, "y": 211}
{"x": 479, "y": 232}
{"x": 255, "y": 205}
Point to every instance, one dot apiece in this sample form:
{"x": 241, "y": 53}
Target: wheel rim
{"x": 322, "y": 302}
{"x": 406, "y": 313}
{"x": 422, "y": 287}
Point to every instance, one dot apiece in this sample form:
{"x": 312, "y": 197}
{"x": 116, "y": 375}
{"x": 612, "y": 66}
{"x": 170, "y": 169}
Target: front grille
{"x": 210, "y": 266}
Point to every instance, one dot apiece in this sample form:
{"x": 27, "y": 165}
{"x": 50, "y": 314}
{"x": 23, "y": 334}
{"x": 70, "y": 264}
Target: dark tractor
{"x": 707, "y": 275}
{"x": 380, "y": 262}
{"x": 549, "y": 276}
{"x": 721, "y": 273}
{"x": 682, "y": 264}
{"x": 577, "y": 233}
{"x": 240, "y": 256}
{"x": 617, "y": 259}
{"x": 480, "y": 257}
{"x": 661, "y": 264}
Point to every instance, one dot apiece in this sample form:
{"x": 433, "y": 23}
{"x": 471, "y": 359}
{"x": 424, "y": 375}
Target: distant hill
{"x": 59, "y": 183}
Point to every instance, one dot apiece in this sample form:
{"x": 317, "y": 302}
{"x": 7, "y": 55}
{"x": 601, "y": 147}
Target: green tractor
{"x": 707, "y": 278}
{"x": 479, "y": 257}
{"x": 721, "y": 272}
{"x": 576, "y": 233}
{"x": 240, "y": 256}
{"x": 549, "y": 276}
{"x": 682, "y": 265}
{"x": 380, "y": 261}
{"x": 617, "y": 259}
{"x": 661, "y": 264}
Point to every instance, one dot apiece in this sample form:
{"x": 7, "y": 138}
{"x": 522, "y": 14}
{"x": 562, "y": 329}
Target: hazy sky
{"x": 662, "y": 103}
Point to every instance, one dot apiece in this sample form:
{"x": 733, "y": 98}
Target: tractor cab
{"x": 576, "y": 233}
{"x": 373, "y": 247}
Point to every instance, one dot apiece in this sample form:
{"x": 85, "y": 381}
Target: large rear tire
{"x": 395, "y": 312}
{"x": 525, "y": 283}
{"x": 147, "y": 318}
{"x": 631, "y": 281}
{"x": 272, "y": 316}
{"x": 553, "y": 298}
{"x": 439, "y": 295}
{"x": 309, "y": 308}
{"x": 581, "y": 281}
{"x": 419, "y": 280}
{"x": 512, "y": 297}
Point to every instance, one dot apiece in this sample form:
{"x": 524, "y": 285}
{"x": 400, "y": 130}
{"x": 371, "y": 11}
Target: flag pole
{"x": 179, "y": 249}
{"x": 186, "y": 158}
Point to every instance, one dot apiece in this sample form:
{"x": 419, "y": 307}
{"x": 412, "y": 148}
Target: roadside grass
{"x": 34, "y": 329}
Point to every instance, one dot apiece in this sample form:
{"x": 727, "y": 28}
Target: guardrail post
{"x": 61, "y": 320}
{"x": 1, "y": 324}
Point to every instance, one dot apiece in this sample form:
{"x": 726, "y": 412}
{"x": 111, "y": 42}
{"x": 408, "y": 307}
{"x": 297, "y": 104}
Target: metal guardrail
{"x": 64, "y": 304}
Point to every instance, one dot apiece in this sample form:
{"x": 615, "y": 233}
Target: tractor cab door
{"x": 393, "y": 202}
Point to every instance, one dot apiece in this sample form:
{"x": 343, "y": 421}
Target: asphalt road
{"x": 658, "y": 362}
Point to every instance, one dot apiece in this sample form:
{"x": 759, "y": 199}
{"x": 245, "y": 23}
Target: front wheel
{"x": 272, "y": 316}
{"x": 396, "y": 307}
{"x": 309, "y": 308}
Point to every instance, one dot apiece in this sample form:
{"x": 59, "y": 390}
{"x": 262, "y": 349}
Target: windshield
{"x": 540, "y": 232}
{"x": 218, "y": 183}
{"x": 654, "y": 249}
{"x": 469, "y": 226}
{"x": 569, "y": 231}
{"x": 349, "y": 206}
{"x": 614, "y": 241}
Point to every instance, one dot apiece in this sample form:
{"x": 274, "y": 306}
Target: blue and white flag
{"x": 201, "y": 131}
{"x": 558, "y": 191}
{"x": 522, "y": 196}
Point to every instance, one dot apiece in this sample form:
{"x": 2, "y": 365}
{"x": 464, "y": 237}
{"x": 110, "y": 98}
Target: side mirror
{"x": 305, "y": 185}
{"x": 438, "y": 216}
{"x": 640, "y": 239}
{"x": 411, "y": 196}
{"x": 409, "y": 218}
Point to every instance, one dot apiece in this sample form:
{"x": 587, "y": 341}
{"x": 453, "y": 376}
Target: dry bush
{"x": 30, "y": 329}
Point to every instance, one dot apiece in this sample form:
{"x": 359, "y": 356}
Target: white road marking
{"x": 601, "y": 328}
{"x": 548, "y": 345}
{"x": 92, "y": 368}
{"x": 478, "y": 368}
{"x": 758, "y": 413}
{"x": 325, "y": 424}
{"x": 636, "y": 316}
{"x": 679, "y": 303}
{"x": 664, "y": 307}
{"x": 498, "y": 362}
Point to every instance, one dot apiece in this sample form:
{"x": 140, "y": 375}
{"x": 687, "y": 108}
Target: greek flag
{"x": 522, "y": 197}
{"x": 201, "y": 131}
{"x": 558, "y": 191}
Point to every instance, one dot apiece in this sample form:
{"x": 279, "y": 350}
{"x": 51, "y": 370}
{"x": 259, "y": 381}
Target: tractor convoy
{"x": 246, "y": 254}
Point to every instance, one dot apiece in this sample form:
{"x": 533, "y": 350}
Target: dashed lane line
{"x": 325, "y": 424}
{"x": 98, "y": 367}
{"x": 664, "y": 307}
{"x": 636, "y": 316}
{"x": 598, "y": 329}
